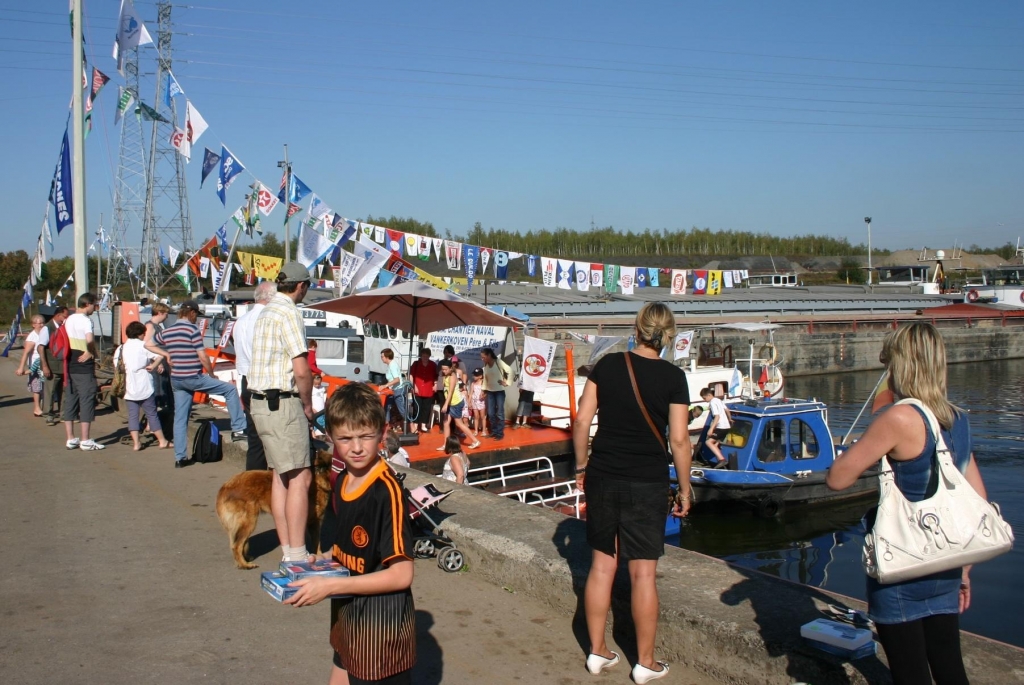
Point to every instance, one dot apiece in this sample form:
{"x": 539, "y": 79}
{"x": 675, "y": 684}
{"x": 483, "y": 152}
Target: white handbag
{"x": 952, "y": 528}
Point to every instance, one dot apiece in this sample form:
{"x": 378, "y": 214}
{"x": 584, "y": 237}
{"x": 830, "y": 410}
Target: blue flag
{"x": 652, "y": 277}
{"x": 163, "y": 257}
{"x": 641, "y": 277}
{"x": 171, "y": 88}
{"x": 12, "y": 335}
{"x": 501, "y": 265}
{"x": 229, "y": 169}
{"x": 222, "y": 233}
{"x": 210, "y": 160}
{"x": 62, "y": 199}
{"x": 470, "y": 259}
{"x": 297, "y": 190}
{"x": 531, "y": 265}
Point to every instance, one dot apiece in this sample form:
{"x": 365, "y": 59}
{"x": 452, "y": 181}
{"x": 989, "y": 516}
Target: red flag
{"x": 292, "y": 210}
{"x": 394, "y": 241}
{"x": 204, "y": 251}
{"x": 763, "y": 380}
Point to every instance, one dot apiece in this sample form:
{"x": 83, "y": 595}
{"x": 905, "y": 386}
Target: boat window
{"x": 330, "y": 349}
{"x": 739, "y": 433}
{"x": 803, "y": 443}
{"x": 773, "y": 442}
{"x": 355, "y": 351}
{"x": 392, "y": 333}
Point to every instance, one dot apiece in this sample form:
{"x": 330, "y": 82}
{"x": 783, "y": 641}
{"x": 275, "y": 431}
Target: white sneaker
{"x": 72, "y": 444}
{"x": 89, "y": 445}
{"x": 642, "y": 674}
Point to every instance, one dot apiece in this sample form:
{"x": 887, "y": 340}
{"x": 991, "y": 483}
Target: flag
{"x": 531, "y": 265}
{"x": 714, "y": 282}
{"x": 229, "y": 169}
{"x": 424, "y": 248}
{"x": 485, "y": 259}
{"x": 252, "y": 211}
{"x": 611, "y": 277}
{"x": 293, "y": 209}
{"x": 297, "y": 189}
{"x": 538, "y": 358}
{"x": 727, "y": 279}
{"x": 652, "y": 277}
{"x": 412, "y": 244}
{"x": 260, "y": 266}
{"x": 63, "y": 206}
{"x": 150, "y": 114}
{"x": 210, "y": 161}
{"x": 682, "y": 344}
{"x": 195, "y": 124}
{"x": 453, "y": 255}
{"x": 379, "y": 233}
{"x": 99, "y": 79}
{"x": 312, "y": 246}
{"x": 438, "y": 247}
{"x": 700, "y": 282}
{"x": 547, "y": 271}
{"x": 163, "y": 257}
{"x": 222, "y": 236}
{"x": 266, "y": 201}
{"x": 350, "y": 264}
{"x": 179, "y": 141}
{"x": 173, "y": 253}
{"x": 131, "y": 33}
{"x": 49, "y": 300}
{"x": 678, "y": 282}
{"x": 171, "y": 88}
{"x": 501, "y": 265}
{"x": 195, "y": 260}
{"x": 596, "y": 275}
{"x": 124, "y": 101}
{"x": 583, "y": 276}
{"x": 641, "y": 277}
{"x": 204, "y": 266}
{"x": 627, "y": 279}
{"x": 394, "y": 242}
{"x": 566, "y": 274}
{"x": 471, "y": 260}
{"x": 372, "y": 256}
{"x": 318, "y": 208}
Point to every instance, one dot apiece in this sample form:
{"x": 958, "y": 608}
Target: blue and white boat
{"x": 778, "y": 453}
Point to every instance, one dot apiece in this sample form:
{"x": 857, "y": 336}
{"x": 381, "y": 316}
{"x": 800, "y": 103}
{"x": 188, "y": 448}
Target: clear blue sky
{"x": 790, "y": 118}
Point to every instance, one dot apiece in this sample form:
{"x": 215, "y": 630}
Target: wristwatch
{"x": 580, "y": 469}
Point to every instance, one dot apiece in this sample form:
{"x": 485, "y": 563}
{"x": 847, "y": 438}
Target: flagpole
{"x": 78, "y": 170}
{"x": 234, "y": 242}
{"x": 287, "y": 202}
{"x": 99, "y": 257}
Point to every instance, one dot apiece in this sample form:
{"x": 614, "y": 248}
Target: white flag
{"x": 453, "y": 254}
{"x": 438, "y": 247}
{"x": 204, "y": 266}
{"x": 547, "y": 268}
{"x": 371, "y": 256}
{"x": 172, "y": 254}
{"x": 682, "y": 345}
{"x": 583, "y": 276}
{"x": 195, "y": 124}
{"x": 412, "y": 244}
{"x": 627, "y": 279}
{"x": 485, "y": 258}
{"x": 378, "y": 233}
{"x": 312, "y": 246}
{"x": 538, "y": 356}
{"x": 131, "y": 33}
{"x": 727, "y": 279}
{"x": 566, "y": 274}
{"x": 678, "y": 281}
{"x": 318, "y": 209}
{"x": 349, "y": 266}
{"x": 179, "y": 141}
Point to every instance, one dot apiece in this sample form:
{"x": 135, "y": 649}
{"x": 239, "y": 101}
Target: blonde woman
{"x": 35, "y": 342}
{"x": 625, "y": 478}
{"x": 917, "y": 620}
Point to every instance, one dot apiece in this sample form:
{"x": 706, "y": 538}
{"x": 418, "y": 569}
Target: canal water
{"x": 822, "y": 546}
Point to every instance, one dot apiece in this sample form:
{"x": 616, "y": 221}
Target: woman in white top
{"x": 457, "y": 466}
{"x": 34, "y": 344}
{"x": 139, "y": 393}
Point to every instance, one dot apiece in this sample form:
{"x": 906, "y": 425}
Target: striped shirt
{"x": 279, "y": 337}
{"x": 374, "y": 635}
{"x": 183, "y": 342}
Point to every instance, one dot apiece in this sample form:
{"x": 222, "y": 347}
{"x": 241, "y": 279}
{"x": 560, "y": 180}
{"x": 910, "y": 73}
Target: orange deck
{"x": 519, "y": 443}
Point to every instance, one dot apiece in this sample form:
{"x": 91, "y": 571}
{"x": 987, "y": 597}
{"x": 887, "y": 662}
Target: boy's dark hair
{"x": 86, "y": 299}
{"x": 392, "y": 444}
{"x": 135, "y": 330}
{"x": 452, "y": 445}
{"x": 704, "y": 392}
{"x": 448, "y": 349}
{"x": 445, "y": 364}
{"x": 387, "y": 354}
{"x": 354, "y": 405}
{"x": 60, "y": 309}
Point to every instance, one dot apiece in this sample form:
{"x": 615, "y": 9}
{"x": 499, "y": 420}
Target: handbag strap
{"x": 643, "y": 407}
{"x": 941, "y": 448}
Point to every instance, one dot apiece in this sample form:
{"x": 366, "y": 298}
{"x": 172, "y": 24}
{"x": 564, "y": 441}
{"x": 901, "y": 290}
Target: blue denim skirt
{"x": 910, "y": 600}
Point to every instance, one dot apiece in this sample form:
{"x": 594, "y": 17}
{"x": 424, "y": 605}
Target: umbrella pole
{"x": 411, "y": 344}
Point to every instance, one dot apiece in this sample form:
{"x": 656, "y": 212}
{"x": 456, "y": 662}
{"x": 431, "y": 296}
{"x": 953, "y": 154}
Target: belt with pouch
{"x": 282, "y": 395}
{"x": 273, "y": 397}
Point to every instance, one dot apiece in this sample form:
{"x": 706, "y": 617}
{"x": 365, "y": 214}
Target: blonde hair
{"x": 159, "y": 308}
{"x": 655, "y": 325}
{"x": 917, "y": 368}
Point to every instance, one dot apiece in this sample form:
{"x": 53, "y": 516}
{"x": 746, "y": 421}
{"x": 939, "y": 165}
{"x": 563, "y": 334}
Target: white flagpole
{"x": 78, "y": 170}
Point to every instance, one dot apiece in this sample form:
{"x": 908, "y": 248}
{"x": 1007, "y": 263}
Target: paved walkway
{"x": 117, "y": 571}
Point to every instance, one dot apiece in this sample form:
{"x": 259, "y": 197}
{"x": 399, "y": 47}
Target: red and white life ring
{"x": 1022, "y": 295}
{"x": 972, "y": 295}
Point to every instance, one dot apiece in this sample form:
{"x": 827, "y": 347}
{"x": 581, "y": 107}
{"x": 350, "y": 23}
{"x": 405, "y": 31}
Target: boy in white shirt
{"x": 718, "y": 427}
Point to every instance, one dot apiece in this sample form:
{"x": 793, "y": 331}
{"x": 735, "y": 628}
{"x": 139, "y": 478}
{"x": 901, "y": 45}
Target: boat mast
{"x": 78, "y": 145}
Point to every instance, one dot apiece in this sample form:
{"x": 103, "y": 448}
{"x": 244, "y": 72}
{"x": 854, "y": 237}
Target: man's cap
{"x": 187, "y": 305}
{"x": 292, "y": 272}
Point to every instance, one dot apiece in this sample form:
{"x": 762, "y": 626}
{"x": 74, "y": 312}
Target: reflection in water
{"x": 821, "y": 546}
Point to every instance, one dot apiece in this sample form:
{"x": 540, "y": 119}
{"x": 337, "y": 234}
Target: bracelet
{"x": 580, "y": 469}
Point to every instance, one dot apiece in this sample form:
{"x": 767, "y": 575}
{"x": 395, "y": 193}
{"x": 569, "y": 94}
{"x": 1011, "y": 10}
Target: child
{"x": 454, "y": 404}
{"x": 311, "y": 346}
{"x": 373, "y": 632}
{"x": 319, "y": 393}
{"x": 395, "y": 453}
{"x": 478, "y": 403}
{"x": 524, "y": 410}
{"x": 457, "y": 466}
{"x": 718, "y": 426}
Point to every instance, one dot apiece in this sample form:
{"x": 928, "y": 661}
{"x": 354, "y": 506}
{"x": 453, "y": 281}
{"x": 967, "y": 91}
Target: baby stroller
{"x": 428, "y": 537}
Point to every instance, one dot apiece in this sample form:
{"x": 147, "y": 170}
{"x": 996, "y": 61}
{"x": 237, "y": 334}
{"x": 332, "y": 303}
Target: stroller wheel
{"x": 450, "y": 560}
{"x": 423, "y": 549}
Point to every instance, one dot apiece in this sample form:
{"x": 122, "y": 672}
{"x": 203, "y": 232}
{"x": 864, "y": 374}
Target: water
{"x": 821, "y": 547}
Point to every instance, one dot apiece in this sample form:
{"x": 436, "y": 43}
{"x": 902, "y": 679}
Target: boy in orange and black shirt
{"x": 373, "y": 632}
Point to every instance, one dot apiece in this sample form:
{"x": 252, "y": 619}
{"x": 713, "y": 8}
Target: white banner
{"x": 547, "y": 271}
{"x": 438, "y": 247}
{"x": 204, "y": 266}
{"x": 627, "y": 279}
{"x": 538, "y": 356}
{"x": 347, "y": 269}
{"x": 727, "y": 279}
{"x": 312, "y": 247}
{"x": 225, "y": 336}
{"x": 371, "y": 256}
{"x": 566, "y": 274}
{"x": 682, "y": 345}
{"x": 173, "y": 253}
{"x": 453, "y": 254}
{"x": 678, "y": 281}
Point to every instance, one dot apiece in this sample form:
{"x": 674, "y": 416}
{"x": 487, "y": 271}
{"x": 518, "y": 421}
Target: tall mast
{"x": 78, "y": 145}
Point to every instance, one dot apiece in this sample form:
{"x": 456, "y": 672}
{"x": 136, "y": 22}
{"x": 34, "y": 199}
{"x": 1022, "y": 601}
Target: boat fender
{"x": 972, "y": 295}
{"x": 769, "y": 506}
{"x": 771, "y": 357}
{"x": 1022, "y": 295}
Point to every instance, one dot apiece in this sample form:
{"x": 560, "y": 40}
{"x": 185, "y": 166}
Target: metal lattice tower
{"x": 167, "y": 218}
{"x": 130, "y": 187}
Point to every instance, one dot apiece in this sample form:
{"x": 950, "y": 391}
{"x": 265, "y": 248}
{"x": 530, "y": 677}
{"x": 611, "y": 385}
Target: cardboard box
{"x": 306, "y": 569}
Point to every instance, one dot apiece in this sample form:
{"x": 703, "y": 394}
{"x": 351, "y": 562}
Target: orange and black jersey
{"x": 374, "y": 635}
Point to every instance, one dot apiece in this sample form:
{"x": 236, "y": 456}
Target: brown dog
{"x": 245, "y": 495}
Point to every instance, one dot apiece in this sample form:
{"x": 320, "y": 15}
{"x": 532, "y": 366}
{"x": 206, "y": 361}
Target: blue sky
{"x": 788, "y": 118}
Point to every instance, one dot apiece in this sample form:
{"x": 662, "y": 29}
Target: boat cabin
{"x": 777, "y": 436}
{"x": 901, "y": 275}
{"x": 786, "y": 280}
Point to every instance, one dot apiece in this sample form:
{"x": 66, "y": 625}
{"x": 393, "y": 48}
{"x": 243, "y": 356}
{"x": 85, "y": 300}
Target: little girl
{"x": 319, "y": 396}
{"x": 457, "y": 466}
{"x": 478, "y": 403}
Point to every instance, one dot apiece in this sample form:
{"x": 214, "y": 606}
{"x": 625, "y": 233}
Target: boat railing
{"x": 502, "y": 474}
{"x": 541, "y": 492}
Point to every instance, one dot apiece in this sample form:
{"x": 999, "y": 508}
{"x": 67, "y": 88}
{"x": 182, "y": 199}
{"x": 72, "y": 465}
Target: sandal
{"x": 597, "y": 663}
{"x": 476, "y": 443}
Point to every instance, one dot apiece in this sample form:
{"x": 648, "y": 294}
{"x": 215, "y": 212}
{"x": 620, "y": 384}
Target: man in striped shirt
{"x": 182, "y": 346}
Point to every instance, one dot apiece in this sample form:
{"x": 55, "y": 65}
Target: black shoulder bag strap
{"x": 643, "y": 407}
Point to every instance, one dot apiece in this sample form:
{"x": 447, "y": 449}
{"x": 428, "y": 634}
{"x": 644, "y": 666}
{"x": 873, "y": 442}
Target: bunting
{"x": 678, "y": 282}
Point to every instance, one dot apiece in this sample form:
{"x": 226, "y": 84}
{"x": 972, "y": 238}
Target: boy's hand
{"x": 311, "y": 591}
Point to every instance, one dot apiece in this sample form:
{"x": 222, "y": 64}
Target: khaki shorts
{"x": 285, "y": 433}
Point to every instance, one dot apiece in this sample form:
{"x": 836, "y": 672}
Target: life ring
{"x": 972, "y": 295}
{"x": 1022, "y": 295}
{"x": 769, "y": 506}
{"x": 774, "y": 354}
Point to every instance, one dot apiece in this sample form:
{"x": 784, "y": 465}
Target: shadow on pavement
{"x": 429, "y": 669}
{"x": 16, "y": 402}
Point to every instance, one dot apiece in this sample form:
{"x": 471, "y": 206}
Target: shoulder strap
{"x": 640, "y": 401}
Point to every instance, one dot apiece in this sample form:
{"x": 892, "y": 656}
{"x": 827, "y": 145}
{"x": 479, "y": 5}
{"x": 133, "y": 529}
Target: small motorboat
{"x": 778, "y": 453}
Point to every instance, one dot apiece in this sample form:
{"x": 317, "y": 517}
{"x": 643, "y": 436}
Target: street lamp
{"x": 867, "y": 220}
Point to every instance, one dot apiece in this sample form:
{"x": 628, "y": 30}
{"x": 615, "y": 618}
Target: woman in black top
{"x": 626, "y": 480}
